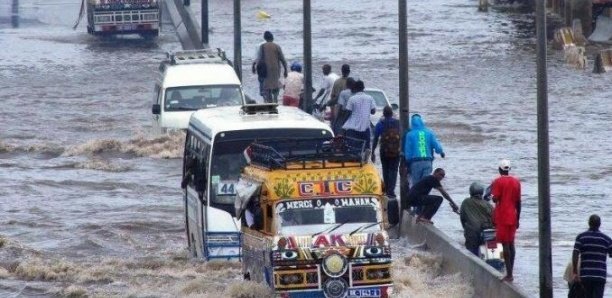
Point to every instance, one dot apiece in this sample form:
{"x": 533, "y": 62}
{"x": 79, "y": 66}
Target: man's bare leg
{"x": 509, "y": 260}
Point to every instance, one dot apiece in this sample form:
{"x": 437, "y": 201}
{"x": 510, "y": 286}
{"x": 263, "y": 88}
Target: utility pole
{"x": 546, "y": 290}
{"x": 204, "y": 14}
{"x": 15, "y": 13}
{"x": 403, "y": 85}
{"x": 307, "y": 100}
{"x": 237, "y": 40}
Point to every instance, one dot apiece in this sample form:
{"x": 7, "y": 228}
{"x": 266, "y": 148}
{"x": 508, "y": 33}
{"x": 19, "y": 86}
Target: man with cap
{"x": 506, "y": 193}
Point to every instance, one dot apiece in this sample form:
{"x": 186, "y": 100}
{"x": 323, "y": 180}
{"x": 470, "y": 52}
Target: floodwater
{"x": 90, "y": 200}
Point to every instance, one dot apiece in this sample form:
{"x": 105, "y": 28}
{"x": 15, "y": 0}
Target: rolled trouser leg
{"x": 430, "y": 205}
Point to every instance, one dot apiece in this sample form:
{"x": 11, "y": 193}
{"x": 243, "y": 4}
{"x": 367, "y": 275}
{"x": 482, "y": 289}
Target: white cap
{"x": 504, "y": 165}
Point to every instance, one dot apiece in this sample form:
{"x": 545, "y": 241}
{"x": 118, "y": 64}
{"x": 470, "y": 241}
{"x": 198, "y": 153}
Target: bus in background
{"x": 113, "y": 17}
{"x": 212, "y": 165}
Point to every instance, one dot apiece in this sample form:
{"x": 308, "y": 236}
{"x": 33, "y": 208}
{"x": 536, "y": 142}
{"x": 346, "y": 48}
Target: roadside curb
{"x": 455, "y": 258}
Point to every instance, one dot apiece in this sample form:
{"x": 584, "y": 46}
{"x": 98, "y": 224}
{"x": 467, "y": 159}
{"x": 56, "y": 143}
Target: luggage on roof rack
{"x": 291, "y": 154}
{"x": 197, "y": 56}
{"x": 260, "y": 108}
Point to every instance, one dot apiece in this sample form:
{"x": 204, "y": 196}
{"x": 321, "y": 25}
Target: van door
{"x": 157, "y": 108}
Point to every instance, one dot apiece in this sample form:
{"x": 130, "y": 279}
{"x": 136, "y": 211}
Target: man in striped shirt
{"x": 592, "y": 247}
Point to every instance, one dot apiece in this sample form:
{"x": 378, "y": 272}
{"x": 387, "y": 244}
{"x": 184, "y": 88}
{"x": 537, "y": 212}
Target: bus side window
{"x": 201, "y": 171}
{"x": 189, "y": 161}
{"x": 200, "y": 176}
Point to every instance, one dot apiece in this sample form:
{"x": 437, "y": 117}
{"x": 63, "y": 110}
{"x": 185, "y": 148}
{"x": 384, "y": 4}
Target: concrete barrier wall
{"x": 485, "y": 279}
{"x": 185, "y": 24}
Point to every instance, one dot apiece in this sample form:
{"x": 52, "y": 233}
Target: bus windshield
{"x": 228, "y": 158}
{"x": 193, "y": 98}
{"x": 327, "y": 211}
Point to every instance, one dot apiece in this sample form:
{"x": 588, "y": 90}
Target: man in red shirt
{"x": 506, "y": 193}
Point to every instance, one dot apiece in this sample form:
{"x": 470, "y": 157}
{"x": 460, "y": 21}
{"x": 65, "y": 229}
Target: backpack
{"x": 390, "y": 140}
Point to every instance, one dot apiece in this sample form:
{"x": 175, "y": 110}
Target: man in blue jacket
{"x": 420, "y": 143}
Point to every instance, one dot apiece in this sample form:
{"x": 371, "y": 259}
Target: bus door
{"x": 195, "y": 173}
{"x": 222, "y": 230}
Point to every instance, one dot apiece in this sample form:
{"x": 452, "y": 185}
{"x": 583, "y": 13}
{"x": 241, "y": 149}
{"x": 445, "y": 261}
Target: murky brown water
{"x": 90, "y": 201}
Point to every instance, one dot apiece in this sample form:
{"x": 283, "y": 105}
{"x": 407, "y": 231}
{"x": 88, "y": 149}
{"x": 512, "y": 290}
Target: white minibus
{"x": 191, "y": 80}
{"x": 212, "y": 165}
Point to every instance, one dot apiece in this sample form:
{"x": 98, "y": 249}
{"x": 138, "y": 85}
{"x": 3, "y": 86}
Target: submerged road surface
{"x": 90, "y": 201}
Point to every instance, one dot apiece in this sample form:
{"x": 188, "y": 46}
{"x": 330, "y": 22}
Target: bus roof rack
{"x": 197, "y": 56}
{"x": 260, "y": 108}
{"x": 338, "y": 152}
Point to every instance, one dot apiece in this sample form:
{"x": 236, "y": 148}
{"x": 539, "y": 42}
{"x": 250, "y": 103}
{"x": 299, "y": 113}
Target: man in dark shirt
{"x": 418, "y": 196}
{"x": 592, "y": 247}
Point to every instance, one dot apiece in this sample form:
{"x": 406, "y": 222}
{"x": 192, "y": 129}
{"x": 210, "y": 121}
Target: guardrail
{"x": 455, "y": 258}
{"x": 185, "y": 24}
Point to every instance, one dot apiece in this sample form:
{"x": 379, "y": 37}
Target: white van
{"x": 193, "y": 80}
{"x": 213, "y": 161}
{"x": 381, "y": 100}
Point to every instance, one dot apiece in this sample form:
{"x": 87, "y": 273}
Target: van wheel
{"x": 246, "y": 276}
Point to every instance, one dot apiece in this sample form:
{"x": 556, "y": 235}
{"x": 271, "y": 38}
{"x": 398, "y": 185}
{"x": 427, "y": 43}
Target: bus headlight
{"x": 335, "y": 265}
{"x": 335, "y": 288}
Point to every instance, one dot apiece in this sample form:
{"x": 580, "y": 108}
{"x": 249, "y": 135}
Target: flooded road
{"x": 90, "y": 200}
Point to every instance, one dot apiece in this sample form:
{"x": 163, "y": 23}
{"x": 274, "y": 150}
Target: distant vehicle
{"x": 318, "y": 220}
{"x": 381, "y": 100}
{"x": 213, "y": 161}
{"x": 113, "y": 17}
{"x": 191, "y": 80}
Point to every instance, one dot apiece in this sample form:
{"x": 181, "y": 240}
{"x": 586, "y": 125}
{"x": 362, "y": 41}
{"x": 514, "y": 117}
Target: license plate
{"x": 128, "y": 27}
{"x": 364, "y": 293}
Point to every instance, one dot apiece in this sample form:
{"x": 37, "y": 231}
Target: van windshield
{"x": 193, "y": 98}
{"x": 379, "y": 98}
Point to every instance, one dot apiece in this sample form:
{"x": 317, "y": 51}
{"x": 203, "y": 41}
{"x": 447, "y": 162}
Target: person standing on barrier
{"x": 475, "y": 216}
{"x": 506, "y": 193}
{"x": 388, "y": 131}
{"x": 339, "y": 85}
{"x": 420, "y": 143}
{"x": 360, "y": 105}
{"x": 327, "y": 83}
{"x": 343, "y": 114}
{"x": 270, "y": 58}
{"x": 592, "y": 247}
{"x": 419, "y": 196}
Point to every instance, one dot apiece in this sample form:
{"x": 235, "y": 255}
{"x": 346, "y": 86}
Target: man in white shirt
{"x": 327, "y": 83}
{"x": 360, "y": 105}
